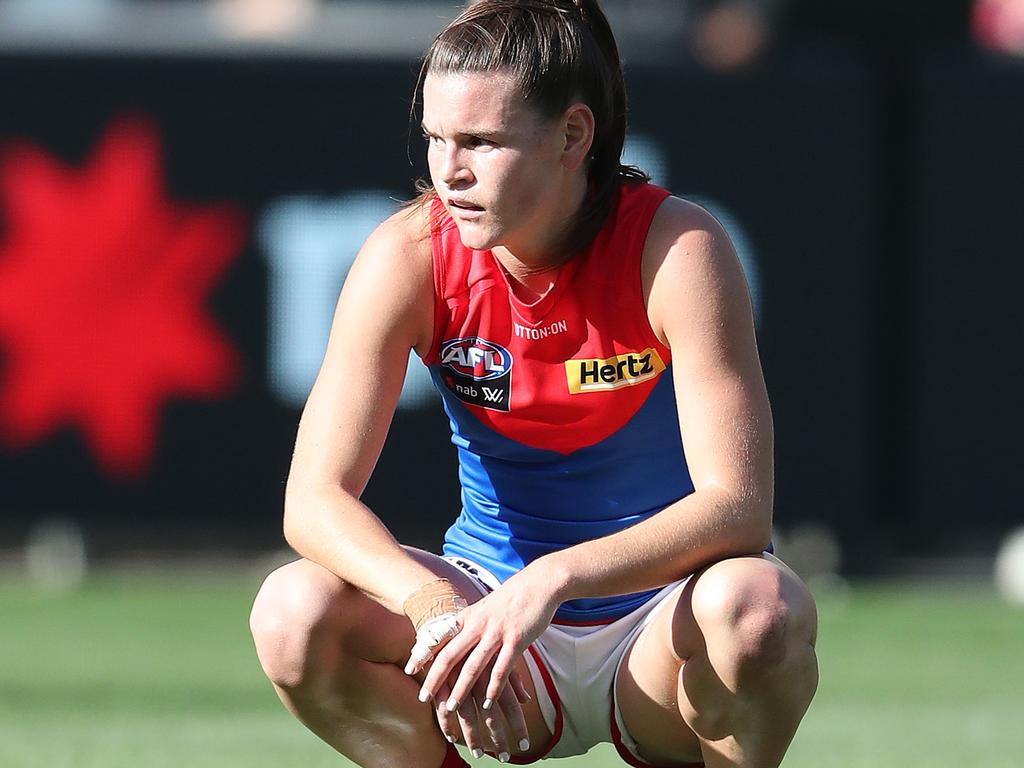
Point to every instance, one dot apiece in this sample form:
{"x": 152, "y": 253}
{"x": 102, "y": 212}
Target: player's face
{"x": 495, "y": 163}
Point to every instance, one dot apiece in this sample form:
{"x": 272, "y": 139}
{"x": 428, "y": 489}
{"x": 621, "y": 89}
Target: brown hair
{"x": 558, "y": 52}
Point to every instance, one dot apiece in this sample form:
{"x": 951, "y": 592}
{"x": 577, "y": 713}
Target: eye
{"x": 476, "y": 142}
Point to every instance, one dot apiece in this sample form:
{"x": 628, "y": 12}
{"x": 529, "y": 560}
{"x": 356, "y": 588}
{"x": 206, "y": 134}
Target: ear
{"x": 578, "y": 129}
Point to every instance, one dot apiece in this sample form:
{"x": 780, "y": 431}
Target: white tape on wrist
{"x": 433, "y": 633}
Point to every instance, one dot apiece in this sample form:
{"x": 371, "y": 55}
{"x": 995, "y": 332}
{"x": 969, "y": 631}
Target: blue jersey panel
{"x": 520, "y": 503}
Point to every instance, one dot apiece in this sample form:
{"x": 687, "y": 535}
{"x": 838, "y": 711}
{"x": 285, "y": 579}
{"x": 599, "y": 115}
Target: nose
{"x": 454, "y": 171}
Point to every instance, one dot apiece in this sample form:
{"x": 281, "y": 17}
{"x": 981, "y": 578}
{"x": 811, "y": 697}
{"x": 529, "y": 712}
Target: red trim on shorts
{"x": 549, "y": 684}
{"x": 628, "y": 756}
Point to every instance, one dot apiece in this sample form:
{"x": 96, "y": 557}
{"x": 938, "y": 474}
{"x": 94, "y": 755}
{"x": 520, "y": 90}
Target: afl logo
{"x": 476, "y": 358}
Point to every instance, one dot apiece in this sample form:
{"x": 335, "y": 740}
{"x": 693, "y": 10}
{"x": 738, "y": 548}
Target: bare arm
{"x": 385, "y": 309}
{"x": 698, "y": 304}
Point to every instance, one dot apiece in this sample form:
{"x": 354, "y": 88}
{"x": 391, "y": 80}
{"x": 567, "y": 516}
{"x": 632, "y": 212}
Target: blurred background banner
{"x": 184, "y": 185}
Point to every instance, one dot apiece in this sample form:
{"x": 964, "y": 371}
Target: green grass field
{"x": 159, "y": 671}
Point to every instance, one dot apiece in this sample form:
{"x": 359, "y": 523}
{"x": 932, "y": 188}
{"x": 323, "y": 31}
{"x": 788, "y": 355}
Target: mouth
{"x": 464, "y": 205}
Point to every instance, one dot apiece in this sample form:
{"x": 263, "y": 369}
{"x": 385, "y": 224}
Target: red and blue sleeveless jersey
{"x": 562, "y": 410}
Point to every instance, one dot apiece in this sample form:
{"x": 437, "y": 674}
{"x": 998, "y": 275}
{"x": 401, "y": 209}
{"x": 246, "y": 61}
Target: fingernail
{"x": 487, "y": 703}
{"x": 478, "y": 753}
{"x": 451, "y": 705}
{"x": 424, "y": 695}
{"x": 524, "y": 745}
{"x": 503, "y": 757}
{"x": 528, "y": 696}
{"x": 409, "y": 668}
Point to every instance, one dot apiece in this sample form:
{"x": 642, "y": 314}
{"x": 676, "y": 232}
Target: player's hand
{"x": 493, "y": 729}
{"x": 493, "y": 633}
{"x": 501, "y": 729}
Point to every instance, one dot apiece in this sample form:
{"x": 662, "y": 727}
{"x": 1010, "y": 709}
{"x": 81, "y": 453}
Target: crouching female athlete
{"x": 591, "y": 336}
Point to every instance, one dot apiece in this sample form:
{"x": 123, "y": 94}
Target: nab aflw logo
{"x": 477, "y": 371}
{"x": 601, "y": 374}
{"x": 475, "y": 357}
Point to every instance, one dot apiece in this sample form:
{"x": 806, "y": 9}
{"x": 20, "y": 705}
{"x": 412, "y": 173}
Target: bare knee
{"x": 755, "y": 617}
{"x": 297, "y": 622}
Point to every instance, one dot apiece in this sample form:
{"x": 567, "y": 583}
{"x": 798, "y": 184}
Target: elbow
{"x": 758, "y": 528}
{"x": 293, "y": 523}
{"x": 291, "y": 536}
{"x": 761, "y": 537}
{"x": 753, "y": 523}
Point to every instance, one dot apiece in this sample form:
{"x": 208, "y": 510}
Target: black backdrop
{"x": 886, "y": 239}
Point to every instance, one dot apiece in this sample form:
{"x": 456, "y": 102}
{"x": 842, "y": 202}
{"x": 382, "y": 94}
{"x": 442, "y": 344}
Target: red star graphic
{"x": 102, "y": 286}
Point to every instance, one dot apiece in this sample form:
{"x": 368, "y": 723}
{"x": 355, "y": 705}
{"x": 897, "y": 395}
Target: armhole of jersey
{"x": 636, "y": 279}
{"x": 437, "y": 268}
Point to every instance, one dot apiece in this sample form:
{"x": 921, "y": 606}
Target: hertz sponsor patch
{"x": 599, "y": 375}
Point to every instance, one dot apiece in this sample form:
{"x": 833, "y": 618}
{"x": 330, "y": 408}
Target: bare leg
{"x": 336, "y": 660}
{"x": 727, "y": 672}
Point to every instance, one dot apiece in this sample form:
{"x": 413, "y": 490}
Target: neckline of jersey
{"x": 534, "y": 312}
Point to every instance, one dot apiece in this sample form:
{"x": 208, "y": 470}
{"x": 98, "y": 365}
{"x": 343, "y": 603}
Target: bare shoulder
{"x": 401, "y": 242}
{"x": 392, "y": 276}
{"x": 684, "y": 236}
{"x": 691, "y": 274}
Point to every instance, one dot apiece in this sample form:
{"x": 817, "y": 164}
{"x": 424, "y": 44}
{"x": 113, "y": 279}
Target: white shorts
{"x": 574, "y": 669}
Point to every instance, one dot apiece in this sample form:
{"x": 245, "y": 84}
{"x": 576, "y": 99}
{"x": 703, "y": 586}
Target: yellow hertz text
{"x": 596, "y": 375}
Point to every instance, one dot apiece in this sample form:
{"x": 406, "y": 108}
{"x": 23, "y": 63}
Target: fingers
{"x": 448, "y": 721}
{"x": 469, "y": 721}
{"x": 500, "y": 672}
{"x": 519, "y": 687}
{"x": 501, "y": 729}
{"x": 512, "y": 710}
{"x": 494, "y": 725}
{"x": 482, "y": 731}
{"x": 478, "y": 732}
{"x": 443, "y": 666}
{"x": 472, "y": 672}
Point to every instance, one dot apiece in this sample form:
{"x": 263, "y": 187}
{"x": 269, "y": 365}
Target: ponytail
{"x": 606, "y": 171}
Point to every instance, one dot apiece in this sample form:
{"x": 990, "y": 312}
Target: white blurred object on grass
{"x": 55, "y": 556}
{"x": 1009, "y": 572}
